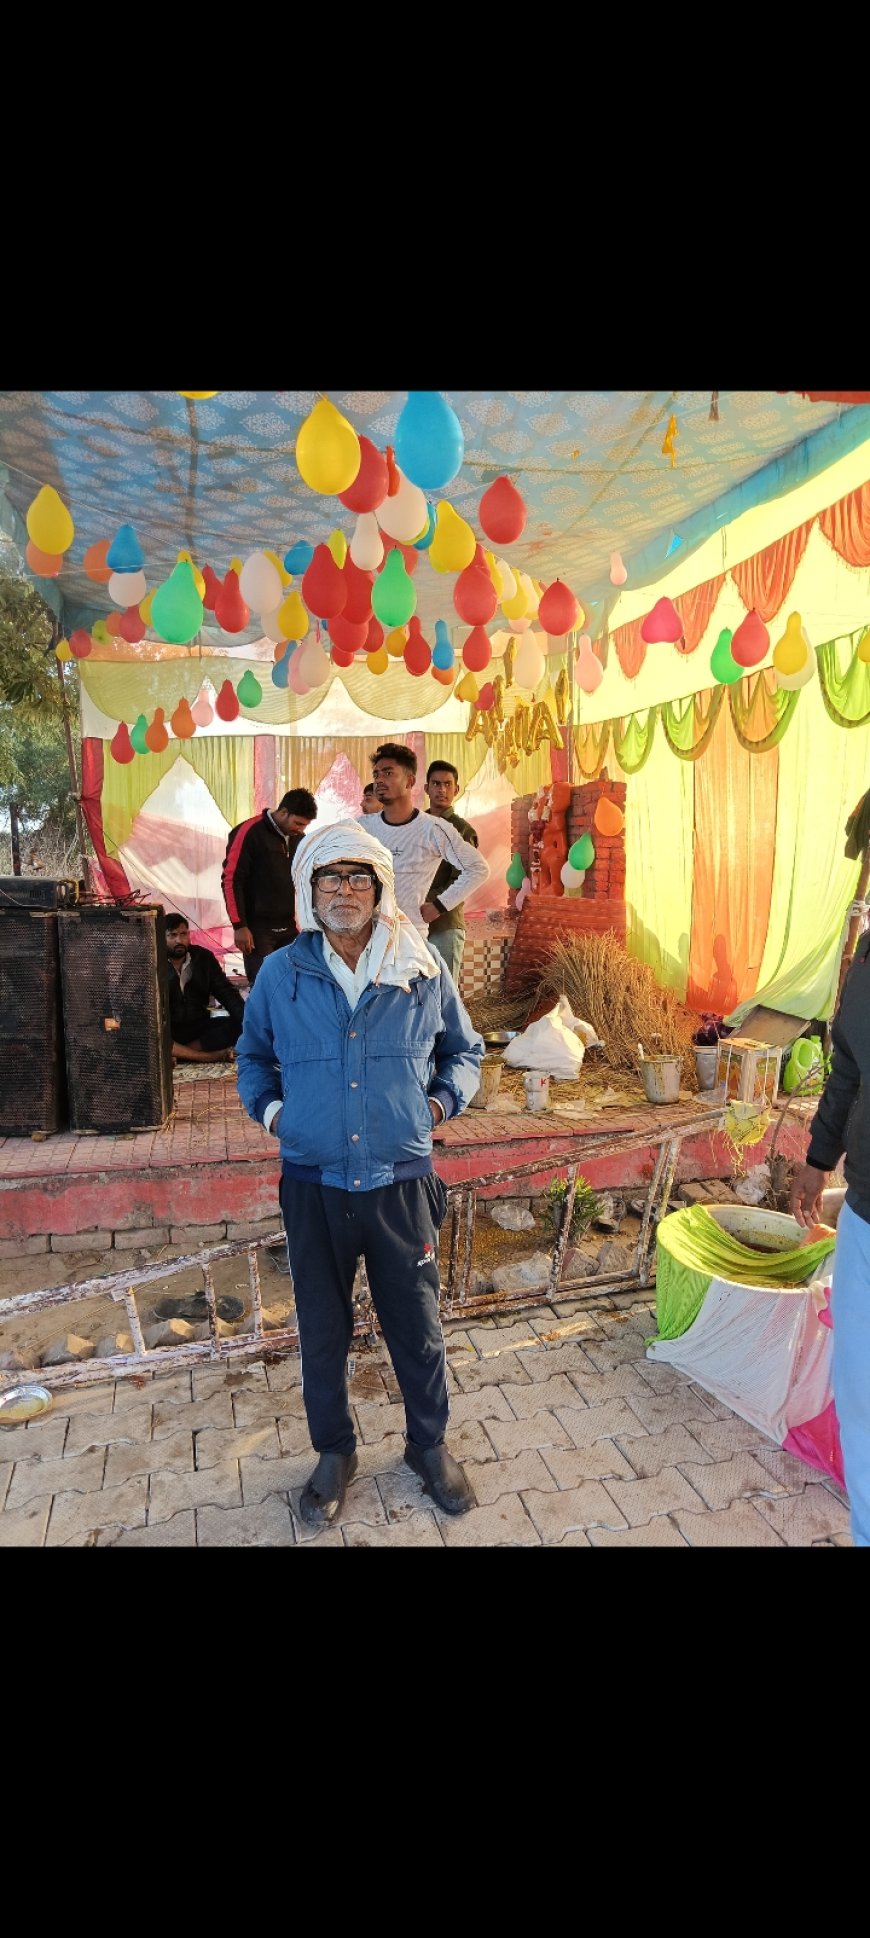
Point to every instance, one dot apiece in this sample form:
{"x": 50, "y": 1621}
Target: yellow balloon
{"x": 236, "y": 566}
{"x": 285, "y": 576}
{"x": 790, "y": 652}
{"x": 197, "y": 393}
{"x": 518, "y": 606}
{"x": 454, "y": 544}
{"x": 379, "y": 661}
{"x": 863, "y": 648}
{"x": 337, "y": 544}
{"x": 494, "y": 571}
{"x": 327, "y": 450}
{"x": 198, "y": 579}
{"x": 63, "y": 649}
{"x": 49, "y": 523}
{"x": 467, "y": 688}
{"x": 292, "y": 617}
{"x": 395, "y": 642}
{"x": 145, "y": 608}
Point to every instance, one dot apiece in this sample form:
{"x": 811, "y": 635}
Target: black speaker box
{"x": 114, "y": 972}
{"x": 32, "y": 1075}
{"x": 38, "y": 891}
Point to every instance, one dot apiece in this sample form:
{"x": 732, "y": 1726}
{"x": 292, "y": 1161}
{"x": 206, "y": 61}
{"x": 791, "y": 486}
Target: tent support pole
{"x": 71, "y": 757}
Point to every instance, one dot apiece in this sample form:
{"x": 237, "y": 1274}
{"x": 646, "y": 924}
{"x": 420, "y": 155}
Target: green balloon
{"x": 394, "y": 595}
{"x": 137, "y": 735}
{"x": 176, "y": 608}
{"x": 722, "y": 666}
{"x": 249, "y": 691}
{"x": 516, "y": 873}
{"x": 581, "y": 854}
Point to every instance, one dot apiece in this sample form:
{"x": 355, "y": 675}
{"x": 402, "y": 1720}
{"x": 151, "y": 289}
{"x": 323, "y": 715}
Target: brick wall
{"x": 599, "y": 907}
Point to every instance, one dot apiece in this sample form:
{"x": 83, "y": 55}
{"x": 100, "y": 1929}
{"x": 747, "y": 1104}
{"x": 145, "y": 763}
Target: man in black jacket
{"x": 195, "y": 975}
{"x": 256, "y": 880}
{"x": 842, "y": 1125}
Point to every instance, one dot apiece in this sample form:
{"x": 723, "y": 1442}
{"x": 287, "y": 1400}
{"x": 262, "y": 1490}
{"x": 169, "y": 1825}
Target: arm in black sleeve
{"x": 828, "y": 1128}
{"x": 222, "y": 988}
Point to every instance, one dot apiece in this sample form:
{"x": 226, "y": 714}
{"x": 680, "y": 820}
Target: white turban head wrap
{"x": 398, "y": 949}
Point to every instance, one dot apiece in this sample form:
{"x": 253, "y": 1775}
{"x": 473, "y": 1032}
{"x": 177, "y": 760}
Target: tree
{"x": 27, "y": 663}
{"x": 34, "y": 766}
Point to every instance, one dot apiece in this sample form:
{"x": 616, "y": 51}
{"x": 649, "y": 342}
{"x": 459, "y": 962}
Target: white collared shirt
{"x": 352, "y": 981}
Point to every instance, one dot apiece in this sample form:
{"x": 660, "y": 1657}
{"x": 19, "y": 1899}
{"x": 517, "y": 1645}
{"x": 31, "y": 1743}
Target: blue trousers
{"x": 395, "y": 1229}
{"x": 449, "y": 944}
{"x": 850, "y": 1314}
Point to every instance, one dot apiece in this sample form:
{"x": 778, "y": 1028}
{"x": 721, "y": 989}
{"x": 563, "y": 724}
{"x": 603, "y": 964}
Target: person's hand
{"x": 429, "y": 912}
{"x": 805, "y": 1197}
{"x": 244, "y": 939}
{"x": 438, "y": 1112}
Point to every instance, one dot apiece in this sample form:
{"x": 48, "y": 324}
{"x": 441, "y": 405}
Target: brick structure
{"x": 599, "y": 907}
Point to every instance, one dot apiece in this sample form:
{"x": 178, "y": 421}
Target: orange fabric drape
{"x": 846, "y": 526}
{"x": 630, "y": 648}
{"x": 763, "y": 581}
{"x": 735, "y": 829}
{"x": 694, "y": 609}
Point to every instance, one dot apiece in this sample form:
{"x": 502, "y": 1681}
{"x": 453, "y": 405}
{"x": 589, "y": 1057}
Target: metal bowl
{"x": 21, "y": 1403}
{"x": 498, "y": 1039}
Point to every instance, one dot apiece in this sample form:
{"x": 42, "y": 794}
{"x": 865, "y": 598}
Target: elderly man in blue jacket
{"x": 355, "y": 1045}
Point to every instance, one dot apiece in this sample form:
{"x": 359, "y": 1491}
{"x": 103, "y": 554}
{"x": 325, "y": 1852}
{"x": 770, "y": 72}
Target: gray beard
{"x": 344, "y": 921}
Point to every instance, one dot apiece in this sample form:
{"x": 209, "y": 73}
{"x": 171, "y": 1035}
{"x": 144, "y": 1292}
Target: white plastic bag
{"x": 550, "y": 1045}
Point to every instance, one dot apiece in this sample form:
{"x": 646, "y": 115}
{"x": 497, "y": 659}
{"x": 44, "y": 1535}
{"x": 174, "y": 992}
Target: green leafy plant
{"x": 587, "y": 1206}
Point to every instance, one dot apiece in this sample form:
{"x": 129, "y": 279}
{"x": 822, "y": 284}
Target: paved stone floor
{"x": 570, "y": 1436}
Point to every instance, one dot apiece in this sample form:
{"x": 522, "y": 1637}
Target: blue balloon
{"x": 442, "y": 636}
{"x": 299, "y": 556}
{"x": 443, "y": 654}
{"x": 125, "y": 553}
{"x": 428, "y": 442}
{"x": 423, "y": 544}
{"x": 281, "y": 670}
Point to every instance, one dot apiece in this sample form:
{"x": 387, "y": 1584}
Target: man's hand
{"x": 438, "y": 1112}
{"x": 805, "y": 1197}
{"x": 244, "y": 939}
{"x": 429, "y": 911}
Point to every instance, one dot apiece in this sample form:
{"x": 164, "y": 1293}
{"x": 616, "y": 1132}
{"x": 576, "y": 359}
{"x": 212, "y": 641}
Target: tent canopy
{"x": 218, "y": 477}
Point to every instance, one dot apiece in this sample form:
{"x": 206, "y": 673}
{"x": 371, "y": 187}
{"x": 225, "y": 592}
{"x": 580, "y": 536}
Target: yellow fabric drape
{"x": 305, "y": 762}
{"x": 467, "y": 756}
{"x": 125, "y": 688}
{"x": 761, "y": 711}
{"x": 226, "y": 766}
{"x": 590, "y": 745}
{"x": 658, "y": 863}
{"x": 822, "y": 773}
{"x": 687, "y": 725}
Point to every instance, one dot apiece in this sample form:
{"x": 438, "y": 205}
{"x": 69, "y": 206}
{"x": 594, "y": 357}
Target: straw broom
{"x": 621, "y": 999}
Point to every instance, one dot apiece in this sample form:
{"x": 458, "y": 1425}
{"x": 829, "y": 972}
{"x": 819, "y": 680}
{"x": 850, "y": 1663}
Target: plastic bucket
{"x": 707, "y": 1064}
{"x": 660, "y": 1076}
{"x": 490, "y": 1079}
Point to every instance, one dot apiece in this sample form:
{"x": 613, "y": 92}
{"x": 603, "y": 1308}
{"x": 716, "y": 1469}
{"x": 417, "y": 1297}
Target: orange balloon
{"x": 46, "y": 565}
{"x": 113, "y": 624}
{"x": 182, "y": 722}
{"x": 94, "y": 562}
{"x": 608, "y": 818}
{"x": 156, "y": 736}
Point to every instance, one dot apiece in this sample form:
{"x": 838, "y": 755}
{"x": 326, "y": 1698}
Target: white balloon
{"x": 405, "y": 515}
{"x": 588, "y": 670}
{"x": 313, "y": 664}
{"x": 367, "y": 545}
{"x": 531, "y": 595}
{"x": 260, "y": 583}
{"x": 271, "y": 628}
{"x": 571, "y": 877}
{"x": 127, "y": 588}
{"x": 499, "y": 643}
{"x": 508, "y": 582}
{"x": 792, "y": 681}
{"x": 618, "y": 574}
{"x": 520, "y": 625}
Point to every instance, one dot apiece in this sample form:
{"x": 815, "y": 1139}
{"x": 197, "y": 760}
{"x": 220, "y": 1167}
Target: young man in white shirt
{"x": 418, "y": 842}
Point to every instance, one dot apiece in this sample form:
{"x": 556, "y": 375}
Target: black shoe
{"x": 442, "y": 1477}
{"x": 322, "y": 1497}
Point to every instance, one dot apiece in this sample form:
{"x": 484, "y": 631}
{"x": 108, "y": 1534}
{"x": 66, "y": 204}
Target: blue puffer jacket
{"x": 355, "y": 1087}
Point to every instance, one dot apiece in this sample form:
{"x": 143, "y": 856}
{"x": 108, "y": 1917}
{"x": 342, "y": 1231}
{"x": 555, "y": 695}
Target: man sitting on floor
{"x": 195, "y": 977}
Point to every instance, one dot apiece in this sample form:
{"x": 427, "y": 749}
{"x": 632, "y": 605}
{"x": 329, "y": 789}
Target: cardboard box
{"x": 748, "y": 1069}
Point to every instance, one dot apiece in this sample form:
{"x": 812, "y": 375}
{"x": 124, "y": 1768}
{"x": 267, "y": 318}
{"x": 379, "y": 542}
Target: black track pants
{"x": 395, "y": 1229}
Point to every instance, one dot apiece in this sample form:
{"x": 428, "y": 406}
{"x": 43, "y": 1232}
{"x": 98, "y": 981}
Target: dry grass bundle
{"x": 500, "y": 1012}
{"x": 621, "y": 997}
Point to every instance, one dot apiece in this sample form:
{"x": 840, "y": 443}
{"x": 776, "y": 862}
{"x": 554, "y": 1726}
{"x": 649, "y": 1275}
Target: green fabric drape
{"x": 225, "y": 765}
{"x": 633, "y": 740}
{"x": 822, "y": 773}
{"x": 659, "y": 849}
{"x": 688, "y": 724}
{"x": 761, "y": 711}
{"x": 845, "y": 681}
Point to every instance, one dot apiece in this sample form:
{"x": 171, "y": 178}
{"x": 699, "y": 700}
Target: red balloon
{"x": 340, "y": 658}
{"x": 486, "y": 697}
{"x": 227, "y": 703}
{"x": 474, "y": 594}
{"x": 393, "y": 473}
{"x": 477, "y": 651}
{"x": 324, "y": 586}
{"x": 230, "y": 610}
{"x": 121, "y": 746}
{"x": 372, "y": 481}
{"x": 663, "y": 623}
{"x": 132, "y": 625}
{"x": 502, "y": 512}
{"x": 418, "y": 652}
{"x": 374, "y": 636}
{"x": 750, "y": 641}
{"x": 358, "y": 604}
{"x": 557, "y": 611}
{"x": 80, "y": 644}
{"x": 347, "y": 635}
{"x": 212, "y": 588}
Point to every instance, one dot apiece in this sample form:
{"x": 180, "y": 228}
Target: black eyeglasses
{"x": 330, "y": 880}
